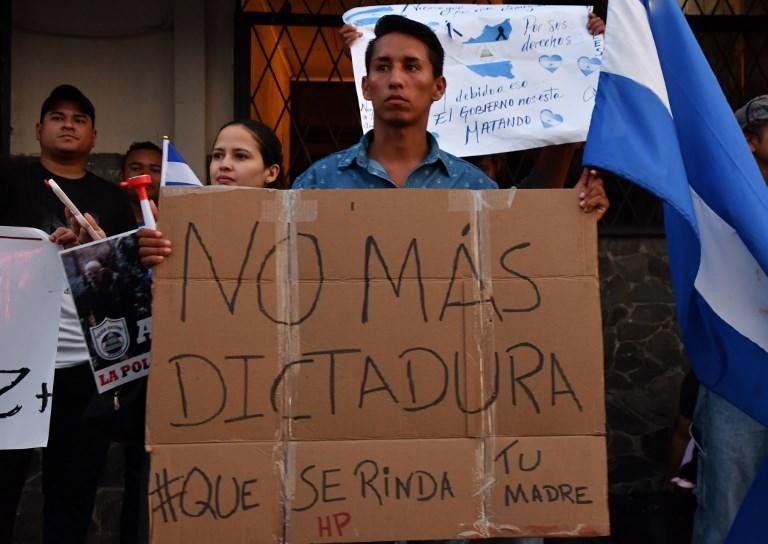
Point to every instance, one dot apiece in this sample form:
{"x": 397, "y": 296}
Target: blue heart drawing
{"x": 550, "y": 119}
{"x": 550, "y": 62}
{"x": 589, "y": 65}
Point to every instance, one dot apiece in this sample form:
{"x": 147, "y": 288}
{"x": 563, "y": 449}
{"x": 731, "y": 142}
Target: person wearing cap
{"x": 753, "y": 118}
{"x": 732, "y": 444}
{"x": 81, "y": 421}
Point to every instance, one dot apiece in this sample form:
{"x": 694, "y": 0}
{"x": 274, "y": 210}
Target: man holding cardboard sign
{"x": 404, "y": 64}
{"x": 358, "y": 457}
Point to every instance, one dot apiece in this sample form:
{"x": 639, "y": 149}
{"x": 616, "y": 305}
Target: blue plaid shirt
{"x": 353, "y": 169}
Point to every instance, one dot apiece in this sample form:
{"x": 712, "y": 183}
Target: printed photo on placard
{"x": 113, "y": 296}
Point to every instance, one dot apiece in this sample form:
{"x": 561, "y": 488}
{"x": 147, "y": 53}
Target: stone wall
{"x": 644, "y": 361}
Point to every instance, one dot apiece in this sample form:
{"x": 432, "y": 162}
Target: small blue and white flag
{"x": 175, "y": 170}
{"x": 661, "y": 121}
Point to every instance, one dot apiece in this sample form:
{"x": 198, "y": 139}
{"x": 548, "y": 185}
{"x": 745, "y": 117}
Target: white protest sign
{"x": 31, "y": 287}
{"x": 518, "y": 76}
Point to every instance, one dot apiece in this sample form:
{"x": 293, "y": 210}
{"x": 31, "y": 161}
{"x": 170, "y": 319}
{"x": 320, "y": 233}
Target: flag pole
{"x": 164, "y": 166}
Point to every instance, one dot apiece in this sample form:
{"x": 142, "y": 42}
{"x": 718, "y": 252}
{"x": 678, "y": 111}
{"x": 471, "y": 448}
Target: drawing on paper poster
{"x": 550, "y": 62}
{"x": 588, "y": 66}
{"x": 451, "y": 29}
{"x": 368, "y": 17}
{"x": 500, "y": 68}
{"x": 518, "y": 77}
{"x": 493, "y": 33}
{"x": 550, "y": 119}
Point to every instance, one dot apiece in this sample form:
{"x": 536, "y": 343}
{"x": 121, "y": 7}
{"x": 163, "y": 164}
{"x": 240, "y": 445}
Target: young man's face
{"x": 66, "y": 130}
{"x": 400, "y": 82}
{"x": 145, "y": 162}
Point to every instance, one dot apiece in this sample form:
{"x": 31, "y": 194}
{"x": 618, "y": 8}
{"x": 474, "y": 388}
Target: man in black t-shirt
{"x": 81, "y": 421}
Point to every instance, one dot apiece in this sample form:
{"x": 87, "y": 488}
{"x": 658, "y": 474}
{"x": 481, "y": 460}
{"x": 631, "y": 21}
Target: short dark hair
{"x": 397, "y": 23}
{"x": 136, "y": 146}
{"x": 269, "y": 146}
{"x": 68, "y": 93}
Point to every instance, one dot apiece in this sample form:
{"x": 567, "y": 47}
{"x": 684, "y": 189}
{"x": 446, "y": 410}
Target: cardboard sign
{"x": 519, "y": 76}
{"x": 355, "y": 362}
{"x": 112, "y": 292}
{"x": 31, "y": 291}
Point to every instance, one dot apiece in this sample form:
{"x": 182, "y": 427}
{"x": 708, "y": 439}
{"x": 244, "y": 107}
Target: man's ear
{"x": 93, "y": 142}
{"x": 38, "y": 126}
{"x": 439, "y": 88}
{"x": 365, "y": 88}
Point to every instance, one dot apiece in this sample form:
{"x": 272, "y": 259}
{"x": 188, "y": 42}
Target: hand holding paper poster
{"x": 518, "y": 76}
{"x": 31, "y": 288}
{"x": 113, "y": 296}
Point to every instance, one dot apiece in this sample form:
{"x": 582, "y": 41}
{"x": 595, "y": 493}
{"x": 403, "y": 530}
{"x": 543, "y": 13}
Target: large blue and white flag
{"x": 661, "y": 121}
{"x": 175, "y": 170}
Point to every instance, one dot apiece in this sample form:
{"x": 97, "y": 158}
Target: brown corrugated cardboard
{"x": 210, "y": 493}
{"x": 548, "y": 485}
{"x": 409, "y": 324}
{"x": 382, "y": 489}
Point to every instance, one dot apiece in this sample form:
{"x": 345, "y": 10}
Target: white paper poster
{"x": 31, "y": 290}
{"x": 518, "y": 76}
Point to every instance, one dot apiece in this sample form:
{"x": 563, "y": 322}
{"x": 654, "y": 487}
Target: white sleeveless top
{"x": 71, "y": 349}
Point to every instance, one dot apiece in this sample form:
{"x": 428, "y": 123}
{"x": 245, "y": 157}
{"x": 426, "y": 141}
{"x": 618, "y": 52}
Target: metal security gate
{"x": 292, "y": 73}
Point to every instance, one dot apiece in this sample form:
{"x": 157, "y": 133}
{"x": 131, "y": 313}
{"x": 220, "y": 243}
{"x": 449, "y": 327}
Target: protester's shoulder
{"x": 19, "y": 169}
{"x": 327, "y": 165}
{"x": 470, "y": 176}
{"x": 7, "y": 172}
{"x": 7, "y": 192}
{"x": 18, "y": 177}
{"x": 22, "y": 192}
{"x": 6, "y": 168}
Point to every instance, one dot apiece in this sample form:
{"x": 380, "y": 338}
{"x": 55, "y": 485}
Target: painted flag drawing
{"x": 662, "y": 122}
{"x": 175, "y": 170}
